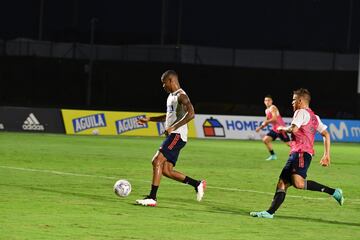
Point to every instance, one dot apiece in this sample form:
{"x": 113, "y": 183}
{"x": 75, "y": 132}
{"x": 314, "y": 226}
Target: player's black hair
{"x": 269, "y": 96}
{"x": 168, "y": 73}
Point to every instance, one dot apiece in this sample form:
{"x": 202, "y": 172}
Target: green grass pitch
{"x": 60, "y": 187}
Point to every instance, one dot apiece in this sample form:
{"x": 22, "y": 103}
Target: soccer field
{"x": 60, "y": 187}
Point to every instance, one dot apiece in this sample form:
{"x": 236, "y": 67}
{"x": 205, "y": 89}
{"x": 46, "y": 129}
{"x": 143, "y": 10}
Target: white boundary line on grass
{"x": 354, "y": 201}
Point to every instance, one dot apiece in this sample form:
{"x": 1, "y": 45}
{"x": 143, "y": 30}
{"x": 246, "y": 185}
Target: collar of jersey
{"x": 176, "y": 92}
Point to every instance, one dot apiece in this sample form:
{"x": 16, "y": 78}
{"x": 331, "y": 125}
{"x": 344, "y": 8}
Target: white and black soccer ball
{"x": 122, "y": 188}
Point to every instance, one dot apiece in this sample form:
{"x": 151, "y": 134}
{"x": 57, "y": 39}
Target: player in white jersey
{"x": 179, "y": 112}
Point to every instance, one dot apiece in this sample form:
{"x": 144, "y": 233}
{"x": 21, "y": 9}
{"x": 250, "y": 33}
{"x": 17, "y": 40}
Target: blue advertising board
{"x": 341, "y": 130}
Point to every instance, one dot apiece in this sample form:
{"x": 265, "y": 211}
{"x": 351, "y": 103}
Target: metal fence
{"x": 269, "y": 59}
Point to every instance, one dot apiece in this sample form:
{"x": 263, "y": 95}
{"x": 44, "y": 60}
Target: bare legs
{"x": 162, "y": 167}
{"x": 267, "y": 141}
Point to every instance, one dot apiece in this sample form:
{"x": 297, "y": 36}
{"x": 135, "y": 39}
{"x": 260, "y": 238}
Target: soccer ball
{"x": 122, "y": 188}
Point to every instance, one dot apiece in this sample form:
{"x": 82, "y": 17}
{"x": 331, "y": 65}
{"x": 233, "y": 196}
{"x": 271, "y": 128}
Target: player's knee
{"x": 281, "y": 185}
{"x": 156, "y": 162}
{"x": 169, "y": 174}
{"x": 154, "y": 159}
{"x": 298, "y": 184}
{"x": 166, "y": 173}
{"x": 266, "y": 140}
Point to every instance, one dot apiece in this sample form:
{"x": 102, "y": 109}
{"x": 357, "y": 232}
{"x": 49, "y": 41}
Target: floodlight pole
{"x": 41, "y": 16}
{"x": 180, "y": 12}
{"x": 358, "y": 89}
{"x": 163, "y": 22}
{"x": 91, "y": 61}
{"x": 348, "y": 42}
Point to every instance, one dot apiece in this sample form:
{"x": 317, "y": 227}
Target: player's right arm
{"x": 144, "y": 120}
{"x": 301, "y": 117}
{"x": 260, "y": 127}
{"x": 290, "y": 129}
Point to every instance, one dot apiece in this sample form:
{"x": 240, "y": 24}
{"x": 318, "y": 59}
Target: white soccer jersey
{"x": 302, "y": 117}
{"x": 175, "y": 112}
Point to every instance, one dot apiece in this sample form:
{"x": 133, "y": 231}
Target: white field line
{"x": 355, "y": 201}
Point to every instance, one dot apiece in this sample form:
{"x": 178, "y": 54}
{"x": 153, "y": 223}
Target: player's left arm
{"x": 189, "y": 113}
{"x": 325, "y": 160}
{"x": 321, "y": 128}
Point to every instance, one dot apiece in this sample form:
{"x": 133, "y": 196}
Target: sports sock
{"x": 278, "y": 199}
{"x": 190, "y": 181}
{"x": 314, "y": 186}
{"x": 272, "y": 152}
{"x": 153, "y": 191}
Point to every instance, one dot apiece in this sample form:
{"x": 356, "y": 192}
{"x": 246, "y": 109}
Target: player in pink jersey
{"x": 303, "y": 128}
{"x": 274, "y": 118}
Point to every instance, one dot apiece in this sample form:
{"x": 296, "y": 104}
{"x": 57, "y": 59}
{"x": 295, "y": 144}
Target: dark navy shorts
{"x": 171, "y": 147}
{"x": 298, "y": 163}
{"x": 282, "y": 135}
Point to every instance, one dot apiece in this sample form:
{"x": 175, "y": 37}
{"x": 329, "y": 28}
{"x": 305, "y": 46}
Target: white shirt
{"x": 175, "y": 112}
{"x": 302, "y": 117}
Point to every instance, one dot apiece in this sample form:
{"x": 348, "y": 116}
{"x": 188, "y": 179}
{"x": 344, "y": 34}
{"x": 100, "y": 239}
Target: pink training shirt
{"x": 308, "y": 123}
{"x": 279, "y": 121}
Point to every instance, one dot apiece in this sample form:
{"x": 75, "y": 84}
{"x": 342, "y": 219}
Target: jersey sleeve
{"x": 321, "y": 127}
{"x": 301, "y": 117}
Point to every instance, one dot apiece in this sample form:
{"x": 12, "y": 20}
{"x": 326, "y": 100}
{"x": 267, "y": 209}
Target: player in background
{"x": 303, "y": 127}
{"x": 274, "y": 118}
{"x": 179, "y": 112}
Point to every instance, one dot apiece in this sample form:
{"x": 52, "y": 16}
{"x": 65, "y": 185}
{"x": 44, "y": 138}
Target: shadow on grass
{"x": 184, "y": 203}
{"x": 306, "y": 219}
{"x": 187, "y": 204}
{"x": 220, "y": 209}
{"x": 211, "y": 207}
{"x": 68, "y": 193}
{"x": 319, "y": 220}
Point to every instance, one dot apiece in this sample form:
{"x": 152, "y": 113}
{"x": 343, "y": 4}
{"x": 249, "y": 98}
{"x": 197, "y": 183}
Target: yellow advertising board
{"x": 89, "y": 122}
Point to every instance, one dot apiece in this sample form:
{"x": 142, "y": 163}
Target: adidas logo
{"x": 31, "y": 123}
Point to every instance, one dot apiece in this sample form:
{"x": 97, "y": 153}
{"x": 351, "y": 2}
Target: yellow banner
{"x": 85, "y": 122}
